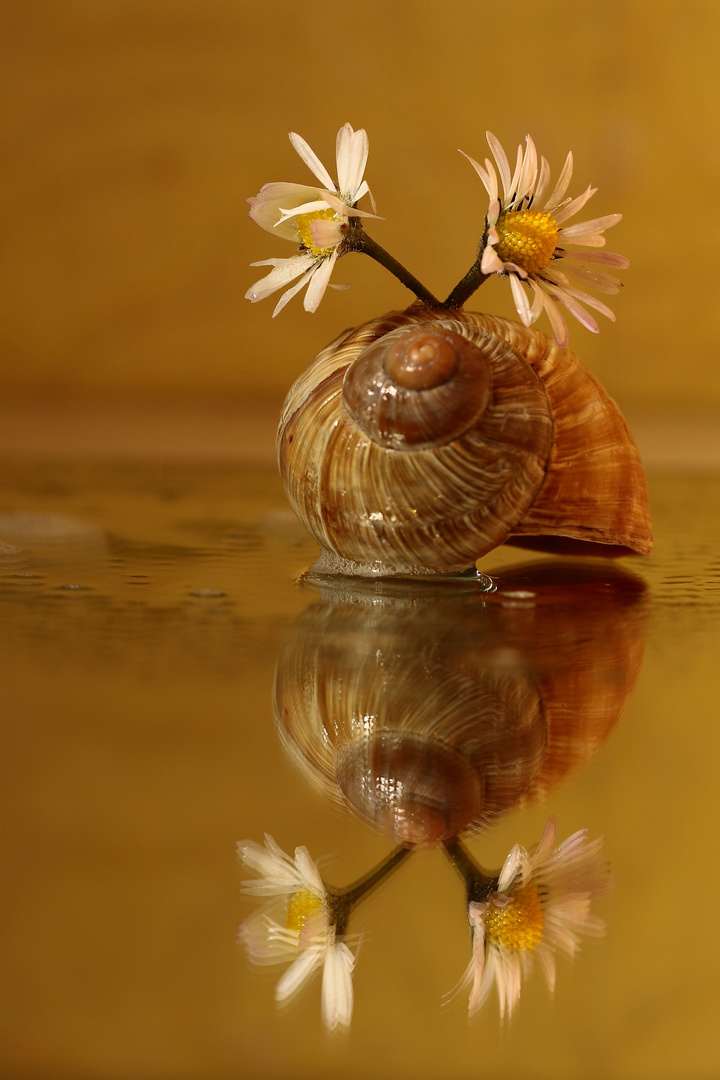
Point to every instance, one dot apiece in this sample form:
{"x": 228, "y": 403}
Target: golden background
{"x": 135, "y": 131}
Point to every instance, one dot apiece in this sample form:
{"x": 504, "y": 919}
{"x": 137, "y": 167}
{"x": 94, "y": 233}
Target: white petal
{"x": 577, "y": 310}
{"x": 521, "y": 300}
{"x": 257, "y": 857}
{"x": 562, "y": 184}
{"x": 547, "y": 840}
{"x": 266, "y": 941}
{"x": 319, "y": 283}
{"x": 487, "y": 175}
{"x": 312, "y": 161}
{"x": 285, "y": 270}
{"x": 326, "y": 232}
{"x": 547, "y": 963}
{"x": 601, "y": 282}
{"x": 510, "y": 195}
{"x": 559, "y": 326}
{"x": 304, "y": 208}
{"x": 553, "y": 273}
{"x": 299, "y": 972}
{"x": 491, "y": 219}
{"x": 341, "y": 207}
{"x": 491, "y": 263}
{"x": 528, "y": 172}
{"x": 604, "y": 258}
{"x": 287, "y": 296}
{"x": 597, "y": 225}
{"x": 542, "y": 183}
{"x": 517, "y": 864}
{"x": 502, "y": 161}
{"x": 309, "y": 871}
{"x": 272, "y": 262}
{"x": 562, "y": 935}
{"x": 573, "y": 207}
{"x": 362, "y": 190}
{"x": 538, "y": 302}
{"x": 265, "y": 207}
{"x": 509, "y": 869}
{"x": 337, "y": 987}
{"x": 594, "y": 240}
{"x": 480, "y": 984}
{"x": 352, "y": 154}
{"x": 591, "y": 301}
{"x": 481, "y": 990}
{"x": 508, "y": 976}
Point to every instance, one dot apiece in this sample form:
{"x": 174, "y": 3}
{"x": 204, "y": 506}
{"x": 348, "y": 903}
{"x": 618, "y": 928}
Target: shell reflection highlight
{"x": 432, "y": 713}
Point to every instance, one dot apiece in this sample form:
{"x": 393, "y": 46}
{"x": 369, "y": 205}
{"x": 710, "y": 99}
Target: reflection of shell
{"x": 423, "y": 439}
{"x": 581, "y": 627}
{"x": 420, "y": 792}
{"x": 432, "y": 714}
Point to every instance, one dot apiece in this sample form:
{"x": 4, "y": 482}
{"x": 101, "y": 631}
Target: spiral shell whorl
{"x": 453, "y": 498}
{"x": 417, "y": 388}
{"x": 421, "y": 360}
{"x": 418, "y": 791}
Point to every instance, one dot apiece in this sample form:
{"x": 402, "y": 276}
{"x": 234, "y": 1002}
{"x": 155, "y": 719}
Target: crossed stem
{"x": 342, "y": 900}
{"x": 478, "y": 884}
{"x": 356, "y": 239}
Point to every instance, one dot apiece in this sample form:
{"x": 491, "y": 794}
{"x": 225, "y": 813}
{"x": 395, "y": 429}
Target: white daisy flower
{"x": 541, "y": 904}
{"x": 313, "y": 217}
{"x": 295, "y": 927}
{"x": 528, "y": 240}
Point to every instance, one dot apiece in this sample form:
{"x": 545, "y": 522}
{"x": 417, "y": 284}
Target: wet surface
{"x": 154, "y": 644}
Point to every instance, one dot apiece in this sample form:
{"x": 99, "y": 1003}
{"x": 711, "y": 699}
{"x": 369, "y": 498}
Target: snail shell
{"x": 421, "y": 440}
{"x": 431, "y": 714}
{"x": 409, "y": 714}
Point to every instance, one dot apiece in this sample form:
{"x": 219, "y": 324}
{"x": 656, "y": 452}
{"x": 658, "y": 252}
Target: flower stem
{"x": 356, "y": 239}
{"x": 478, "y": 884}
{"x": 342, "y": 900}
{"x": 465, "y": 288}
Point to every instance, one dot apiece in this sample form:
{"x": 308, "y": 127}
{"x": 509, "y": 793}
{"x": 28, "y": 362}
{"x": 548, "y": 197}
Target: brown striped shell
{"x": 419, "y": 441}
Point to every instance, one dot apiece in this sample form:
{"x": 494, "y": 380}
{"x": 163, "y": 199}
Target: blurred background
{"x": 145, "y": 598}
{"x": 134, "y": 130}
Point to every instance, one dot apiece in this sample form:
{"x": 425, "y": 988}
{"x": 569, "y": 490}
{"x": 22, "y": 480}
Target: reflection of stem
{"x": 356, "y": 239}
{"x": 342, "y": 900}
{"x": 478, "y": 884}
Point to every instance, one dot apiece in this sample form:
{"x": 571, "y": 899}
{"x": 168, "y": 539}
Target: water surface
{"x": 145, "y": 610}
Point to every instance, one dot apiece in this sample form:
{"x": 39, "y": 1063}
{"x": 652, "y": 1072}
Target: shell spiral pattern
{"x": 419, "y": 441}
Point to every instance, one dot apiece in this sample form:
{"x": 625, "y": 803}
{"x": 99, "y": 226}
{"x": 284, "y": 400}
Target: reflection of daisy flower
{"x": 542, "y": 903}
{"x": 315, "y": 218}
{"x": 295, "y": 927}
{"x": 527, "y": 239}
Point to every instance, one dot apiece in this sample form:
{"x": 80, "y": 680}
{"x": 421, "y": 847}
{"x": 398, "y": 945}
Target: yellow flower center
{"x": 518, "y": 925}
{"x": 304, "y": 224}
{"x": 528, "y": 238}
{"x": 301, "y": 905}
